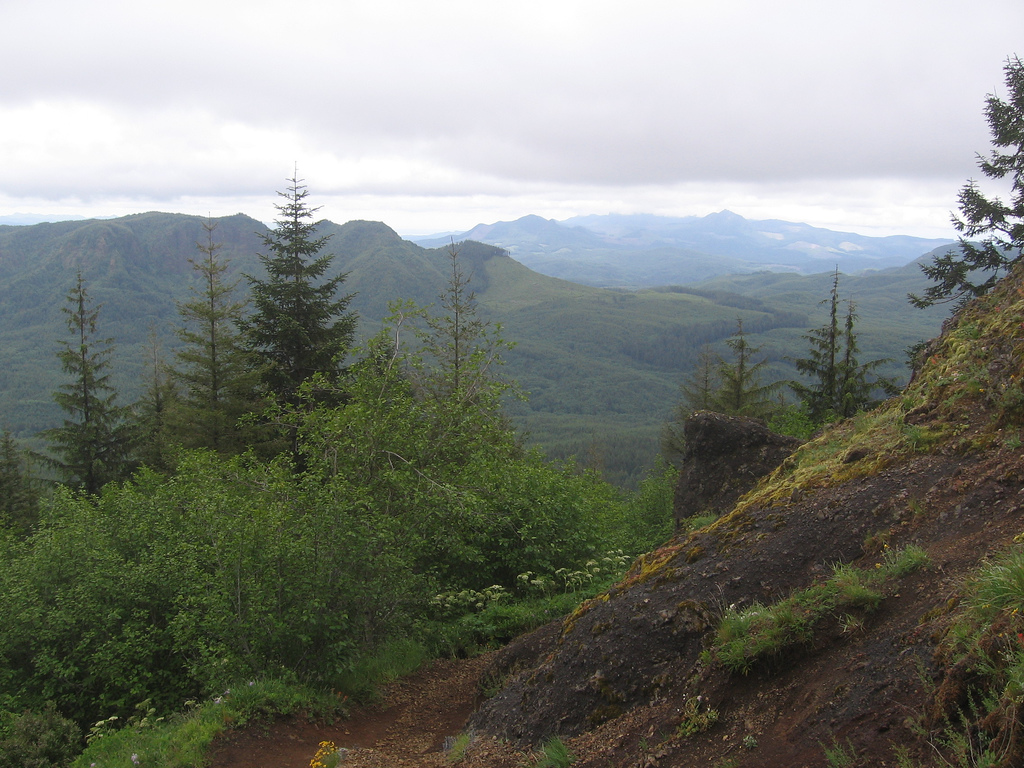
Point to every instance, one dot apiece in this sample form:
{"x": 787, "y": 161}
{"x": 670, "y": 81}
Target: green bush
{"x": 38, "y": 739}
{"x": 174, "y": 587}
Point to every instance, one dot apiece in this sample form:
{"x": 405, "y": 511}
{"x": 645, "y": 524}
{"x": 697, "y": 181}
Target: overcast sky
{"x": 436, "y": 115}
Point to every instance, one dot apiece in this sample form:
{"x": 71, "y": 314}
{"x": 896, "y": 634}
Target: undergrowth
{"x": 759, "y": 632}
{"x": 555, "y": 754}
{"x": 976, "y": 711}
{"x": 182, "y": 740}
{"x": 496, "y": 618}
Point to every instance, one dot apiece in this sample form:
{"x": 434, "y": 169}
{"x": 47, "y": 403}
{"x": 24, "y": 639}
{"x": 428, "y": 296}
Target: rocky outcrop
{"x": 723, "y": 459}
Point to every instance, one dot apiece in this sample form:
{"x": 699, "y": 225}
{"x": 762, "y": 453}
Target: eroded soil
{"x": 407, "y": 729}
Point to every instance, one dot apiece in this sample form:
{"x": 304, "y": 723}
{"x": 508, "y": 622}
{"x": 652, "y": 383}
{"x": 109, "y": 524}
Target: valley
{"x": 600, "y": 367}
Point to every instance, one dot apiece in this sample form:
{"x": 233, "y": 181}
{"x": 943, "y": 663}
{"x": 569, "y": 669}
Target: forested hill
{"x": 643, "y": 250}
{"x": 602, "y": 368}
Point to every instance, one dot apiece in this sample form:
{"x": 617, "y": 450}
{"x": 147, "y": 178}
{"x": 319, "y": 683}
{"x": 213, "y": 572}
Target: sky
{"x": 436, "y": 115}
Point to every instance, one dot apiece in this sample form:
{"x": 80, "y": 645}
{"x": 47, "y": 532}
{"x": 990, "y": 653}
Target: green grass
{"x": 395, "y": 658}
{"x": 1000, "y": 585}
{"x": 840, "y": 755}
{"x": 474, "y": 633}
{"x": 759, "y": 632}
{"x": 182, "y": 740}
{"x": 555, "y": 754}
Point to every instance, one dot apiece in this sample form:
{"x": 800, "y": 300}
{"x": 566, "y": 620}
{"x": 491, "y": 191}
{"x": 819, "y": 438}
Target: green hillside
{"x": 601, "y": 367}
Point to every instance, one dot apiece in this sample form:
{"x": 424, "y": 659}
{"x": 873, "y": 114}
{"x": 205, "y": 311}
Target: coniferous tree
{"x": 742, "y": 392}
{"x": 821, "y": 362}
{"x": 698, "y": 391}
{"x": 456, "y": 370}
{"x": 152, "y": 413}
{"x": 463, "y": 348}
{"x": 94, "y": 443}
{"x": 19, "y": 493}
{"x": 214, "y": 372}
{"x": 841, "y": 385}
{"x": 299, "y": 327}
{"x": 856, "y": 389}
{"x": 959, "y": 276}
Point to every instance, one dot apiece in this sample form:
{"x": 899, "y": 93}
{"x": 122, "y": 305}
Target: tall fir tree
{"x": 152, "y": 412}
{"x": 299, "y": 327}
{"x": 857, "y": 389}
{"x": 992, "y": 231}
{"x": 19, "y": 492}
{"x": 464, "y": 350}
{"x": 821, "y": 363}
{"x": 456, "y": 371}
{"x": 700, "y": 387}
{"x": 94, "y": 443}
{"x": 698, "y": 391}
{"x": 212, "y": 368}
{"x": 840, "y": 384}
{"x": 742, "y": 392}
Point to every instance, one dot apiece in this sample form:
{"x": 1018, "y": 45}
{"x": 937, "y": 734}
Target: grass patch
{"x": 555, "y": 754}
{"x": 696, "y": 522}
{"x": 457, "y": 750}
{"x": 982, "y": 652}
{"x": 840, "y": 755}
{"x": 860, "y": 446}
{"x": 758, "y": 632}
{"x": 395, "y": 658}
{"x": 182, "y": 740}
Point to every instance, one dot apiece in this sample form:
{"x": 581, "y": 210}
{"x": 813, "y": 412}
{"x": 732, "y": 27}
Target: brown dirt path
{"x": 407, "y": 730}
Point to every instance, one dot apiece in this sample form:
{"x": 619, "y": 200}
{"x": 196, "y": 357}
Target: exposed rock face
{"x": 724, "y": 457}
{"x": 641, "y": 643}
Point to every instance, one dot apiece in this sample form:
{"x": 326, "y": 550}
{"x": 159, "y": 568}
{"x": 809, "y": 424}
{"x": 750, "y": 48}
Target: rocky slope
{"x": 905, "y": 675}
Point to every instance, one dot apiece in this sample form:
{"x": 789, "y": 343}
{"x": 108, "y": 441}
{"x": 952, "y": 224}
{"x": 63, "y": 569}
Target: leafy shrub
{"x": 40, "y": 739}
{"x": 696, "y": 718}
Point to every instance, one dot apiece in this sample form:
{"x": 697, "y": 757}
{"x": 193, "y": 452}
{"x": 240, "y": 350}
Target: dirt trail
{"x": 407, "y": 730}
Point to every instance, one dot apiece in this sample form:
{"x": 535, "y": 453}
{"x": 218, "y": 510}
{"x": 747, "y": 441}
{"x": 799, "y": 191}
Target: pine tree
{"x": 94, "y": 442}
{"x": 299, "y": 328}
{"x": 741, "y": 392}
{"x": 821, "y": 363}
{"x": 19, "y": 493}
{"x": 456, "y": 370}
{"x": 959, "y": 276}
{"x": 841, "y": 385}
{"x": 214, "y": 372}
{"x": 698, "y": 390}
{"x": 152, "y": 413}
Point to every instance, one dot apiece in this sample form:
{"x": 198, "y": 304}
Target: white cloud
{"x": 867, "y": 113}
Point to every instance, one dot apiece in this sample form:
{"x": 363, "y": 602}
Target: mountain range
{"x": 643, "y": 250}
{"x": 602, "y": 367}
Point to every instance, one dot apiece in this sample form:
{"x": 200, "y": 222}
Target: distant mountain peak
{"x": 725, "y": 215}
{"x": 664, "y": 250}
